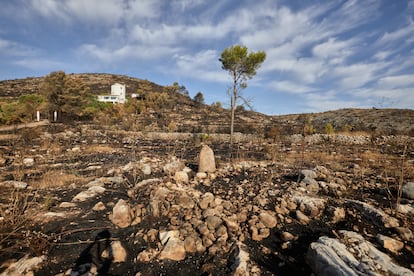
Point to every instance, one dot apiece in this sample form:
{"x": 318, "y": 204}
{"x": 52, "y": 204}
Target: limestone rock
{"x": 174, "y": 165}
{"x": 147, "y": 255}
{"x": 408, "y": 190}
{"x": 207, "y": 162}
{"x": 330, "y": 256}
{"x": 390, "y": 244}
{"x": 92, "y": 192}
{"x": 303, "y": 219}
{"x": 122, "y": 215}
{"x": 173, "y": 247}
{"x": 24, "y": 266}
{"x": 100, "y": 206}
{"x": 14, "y": 184}
{"x": 267, "y": 219}
{"x": 181, "y": 177}
{"x": 375, "y": 215}
{"x": 119, "y": 254}
{"x": 405, "y": 233}
{"x": 28, "y": 162}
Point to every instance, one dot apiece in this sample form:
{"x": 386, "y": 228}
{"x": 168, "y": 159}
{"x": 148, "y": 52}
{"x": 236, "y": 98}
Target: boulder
{"x": 268, "y": 220}
{"x": 174, "y": 248}
{"x": 350, "y": 254}
{"x": 122, "y": 214}
{"x": 23, "y": 266}
{"x": 207, "y": 161}
{"x": 377, "y": 216}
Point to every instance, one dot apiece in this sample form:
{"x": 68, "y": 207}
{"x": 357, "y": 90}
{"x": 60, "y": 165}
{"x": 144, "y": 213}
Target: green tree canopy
{"x": 241, "y": 66}
{"x": 66, "y": 94}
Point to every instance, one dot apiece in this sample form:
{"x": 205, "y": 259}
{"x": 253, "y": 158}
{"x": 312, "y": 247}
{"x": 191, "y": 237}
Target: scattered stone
{"x": 286, "y": 236}
{"x": 147, "y": 255}
{"x": 330, "y": 256}
{"x": 119, "y": 254}
{"x": 181, "y": 177}
{"x": 28, "y": 162}
{"x": 268, "y": 220}
{"x": 390, "y": 244}
{"x": 122, "y": 214}
{"x": 24, "y": 266}
{"x": 174, "y": 165}
{"x": 146, "y": 169}
{"x": 67, "y": 205}
{"x": 207, "y": 161}
{"x": 14, "y": 184}
{"x": 100, "y": 206}
{"x": 206, "y": 199}
{"x": 408, "y": 190}
{"x": 303, "y": 219}
{"x": 338, "y": 214}
{"x": 376, "y": 216}
{"x": 310, "y": 174}
{"x": 239, "y": 261}
{"x": 405, "y": 233}
{"x": 92, "y": 192}
{"x": 173, "y": 247}
{"x": 213, "y": 222}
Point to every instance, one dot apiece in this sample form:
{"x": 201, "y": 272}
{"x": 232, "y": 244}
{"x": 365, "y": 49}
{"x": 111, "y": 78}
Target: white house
{"x": 118, "y": 94}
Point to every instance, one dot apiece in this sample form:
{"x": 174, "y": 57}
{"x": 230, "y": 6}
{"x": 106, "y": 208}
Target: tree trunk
{"x": 233, "y": 109}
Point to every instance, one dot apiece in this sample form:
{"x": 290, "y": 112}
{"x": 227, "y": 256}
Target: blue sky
{"x": 321, "y": 55}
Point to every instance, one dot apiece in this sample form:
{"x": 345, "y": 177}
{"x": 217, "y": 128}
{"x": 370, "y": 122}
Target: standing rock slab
{"x": 207, "y": 162}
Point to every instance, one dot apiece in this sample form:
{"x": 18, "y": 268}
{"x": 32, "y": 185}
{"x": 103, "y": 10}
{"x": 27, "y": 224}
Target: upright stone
{"x": 207, "y": 161}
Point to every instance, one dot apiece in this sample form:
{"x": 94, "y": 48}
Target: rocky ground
{"x": 122, "y": 203}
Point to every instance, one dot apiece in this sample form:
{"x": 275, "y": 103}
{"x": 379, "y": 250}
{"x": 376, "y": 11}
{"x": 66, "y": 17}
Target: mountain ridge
{"x": 381, "y": 120}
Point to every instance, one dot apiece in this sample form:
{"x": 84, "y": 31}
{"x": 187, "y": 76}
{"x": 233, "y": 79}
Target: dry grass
{"x": 54, "y": 179}
{"x": 98, "y": 148}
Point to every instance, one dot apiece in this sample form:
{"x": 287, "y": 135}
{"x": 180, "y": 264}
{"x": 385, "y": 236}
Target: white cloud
{"x": 203, "y": 65}
{"x": 290, "y": 87}
{"x": 405, "y": 33}
{"x": 11, "y": 48}
{"x": 334, "y": 50}
{"x": 40, "y": 64}
{"x": 397, "y": 81}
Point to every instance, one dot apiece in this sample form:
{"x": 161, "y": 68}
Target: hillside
{"x": 192, "y": 117}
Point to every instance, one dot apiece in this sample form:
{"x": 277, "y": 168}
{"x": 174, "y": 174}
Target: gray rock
{"x": 308, "y": 174}
{"x": 330, "y": 256}
{"x": 408, "y": 190}
{"x": 14, "y": 184}
{"x": 207, "y": 162}
{"x": 213, "y": 222}
{"x": 24, "y": 266}
{"x": 375, "y": 215}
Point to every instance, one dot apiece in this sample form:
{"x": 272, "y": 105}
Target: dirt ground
{"x": 372, "y": 173}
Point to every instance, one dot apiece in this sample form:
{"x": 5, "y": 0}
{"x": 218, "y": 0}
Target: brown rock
{"x": 207, "y": 161}
{"x": 268, "y": 220}
{"x": 390, "y": 244}
{"x": 122, "y": 214}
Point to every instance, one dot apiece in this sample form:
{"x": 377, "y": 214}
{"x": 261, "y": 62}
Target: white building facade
{"x": 118, "y": 94}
